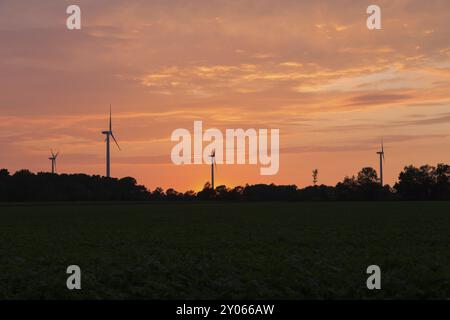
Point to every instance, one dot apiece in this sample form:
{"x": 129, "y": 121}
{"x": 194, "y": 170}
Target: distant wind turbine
{"x": 53, "y": 159}
{"x": 108, "y": 134}
{"x": 381, "y": 154}
{"x": 213, "y": 166}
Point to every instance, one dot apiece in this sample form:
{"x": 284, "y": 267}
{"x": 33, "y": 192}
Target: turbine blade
{"x": 112, "y": 135}
{"x": 110, "y": 119}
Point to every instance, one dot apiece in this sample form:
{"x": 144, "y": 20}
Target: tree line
{"x": 423, "y": 183}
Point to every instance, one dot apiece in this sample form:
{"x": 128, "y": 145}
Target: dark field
{"x": 226, "y": 250}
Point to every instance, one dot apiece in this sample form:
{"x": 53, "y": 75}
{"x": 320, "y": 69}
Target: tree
{"x": 4, "y": 173}
{"x": 368, "y": 184}
{"x": 424, "y": 183}
{"x": 4, "y": 179}
{"x": 235, "y": 194}
{"x": 367, "y": 176}
{"x": 315, "y": 174}
{"x": 189, "y": 195}
{"x": 415, "y": 183}
{"x": 158, "y": 194}
{"x": 222, "y": 192}
{"x": 347, "y": 189}
{"x": 173, "y": 195}
{"x": 207, "y": 193}
{"x": 441, "y": 190}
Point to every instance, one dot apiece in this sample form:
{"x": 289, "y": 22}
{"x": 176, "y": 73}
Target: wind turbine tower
{"x": 109, "y": 133}
{"x": 381, "y": 154}
{"x": 53, "y": 159}
{"x": 213, "y": 164}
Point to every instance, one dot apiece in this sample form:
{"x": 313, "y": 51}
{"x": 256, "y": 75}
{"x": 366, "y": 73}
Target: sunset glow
{"x": 311, "y": 69}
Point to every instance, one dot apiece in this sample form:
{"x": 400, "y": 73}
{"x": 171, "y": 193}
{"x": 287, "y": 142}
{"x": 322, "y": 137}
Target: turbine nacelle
{"x": 54, "y": 156}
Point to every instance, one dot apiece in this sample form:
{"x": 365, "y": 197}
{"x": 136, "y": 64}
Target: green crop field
{"x": 225, "y": 250}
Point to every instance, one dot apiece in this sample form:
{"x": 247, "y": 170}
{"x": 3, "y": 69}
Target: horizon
{"x": 332, "y": 87}
{"x": 206, "y": 183}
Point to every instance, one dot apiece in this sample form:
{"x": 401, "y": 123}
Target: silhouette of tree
{"x": 315, "y": 174}
{"x": 27, "y": 186}
{"x": 4, "y": 182}
{"x": 235, "y": 194}
{"x": 173, "y": 195}
{"x": 207, "y": 193}
{"x": 414, "y": 183}
{"x": 347, "y": 189}
{"x": 317, "y": 193}
{"x": 424, "y": 183}
{"x": 4, "y": 173}
{"x": 263, "y": 192}
{"x": 158, "y": 194}
{"x": 368, "y": 184}
{"x": 367, "y": 176}
{"x": 189, "y": 195}
{"x": 442, "y": 182}
{"x": 222, "y": 193}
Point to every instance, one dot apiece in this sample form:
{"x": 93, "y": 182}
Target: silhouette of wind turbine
{"x": 53, "y": 159}
{"x": 381, "y": 154}
{"x": 213, "y": 166}
{"x": 109, "y": 134}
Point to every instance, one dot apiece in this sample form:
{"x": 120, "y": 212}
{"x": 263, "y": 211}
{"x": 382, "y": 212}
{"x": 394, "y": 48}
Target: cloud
{"x": 442, "y": 119}
{"x": 377, "y": 99}
{"x": 362, "y": 145}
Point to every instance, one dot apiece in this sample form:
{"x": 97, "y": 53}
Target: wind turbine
{"x": 213, "y": 165}
{"x": 53, "y": 159}
{"x": 108, "y": 134}
{"x": 381, "y": 154}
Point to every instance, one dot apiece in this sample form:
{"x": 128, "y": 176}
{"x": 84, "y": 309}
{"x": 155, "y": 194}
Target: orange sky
{"x": 309, "y": 68}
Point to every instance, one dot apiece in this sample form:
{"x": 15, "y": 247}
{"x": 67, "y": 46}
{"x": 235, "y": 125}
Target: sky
{"x": 311, "y": 69}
